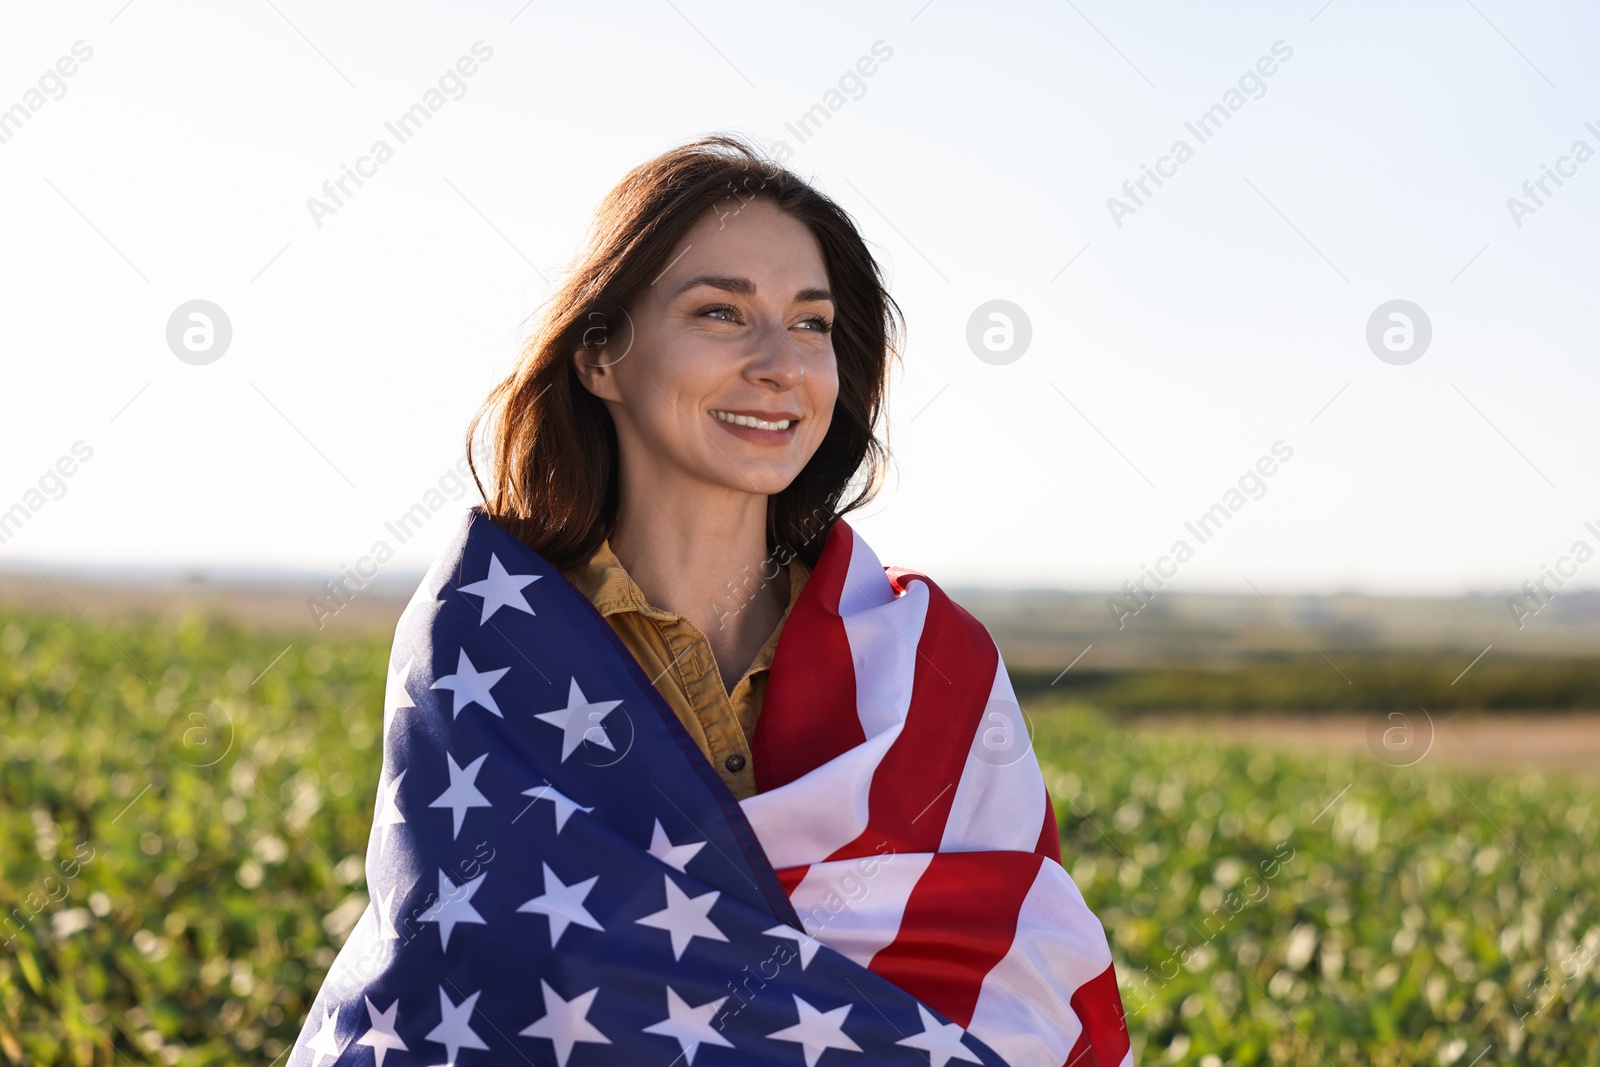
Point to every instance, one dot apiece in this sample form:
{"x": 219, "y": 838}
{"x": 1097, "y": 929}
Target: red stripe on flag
{"x": 958, "y": 923}
{"x": 808, "y": 715}
{"x": 1104, "y": 1041}
{"x": 1049, "y": 845}
{"x": 791, "y": 877}
{"x": 915, "y": 783}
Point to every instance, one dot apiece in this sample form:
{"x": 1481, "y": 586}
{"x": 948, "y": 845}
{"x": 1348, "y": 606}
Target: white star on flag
{"x": 941, "y": 1041}
{"x": 386, "y": 928}
{"x": 382, "y": 1037}
{"x": 808, "y": 944}
{"x": 453, "y": 1032}
{"x": 662, "y": 848}
{"x": 470, "y": 685}
{"x": 396, "y": 696}
{"x": 389, "y": 810}
{"x": 690, "y": 1026}
{"x": 563, "y": 904}
{"x": 326, "y": 1043}
{"x": 817, "y": 1031}
{"x": 565, "y": 806}
{"x": 685, "y": 917}
{"x": 501, "y": 590}
{"x": 580, "y": 720}
{"x": 463, "y": 792}
{"x": 453, "y": 906}
{"x": 565, "y": 1022}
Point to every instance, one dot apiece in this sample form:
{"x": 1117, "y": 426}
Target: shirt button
{"x": 734, "y": 762}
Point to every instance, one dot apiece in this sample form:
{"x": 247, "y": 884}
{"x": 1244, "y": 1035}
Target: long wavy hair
{"x": 552, "y": 442}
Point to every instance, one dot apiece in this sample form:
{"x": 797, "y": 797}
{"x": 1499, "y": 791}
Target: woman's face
{"x": 737, "y": 325}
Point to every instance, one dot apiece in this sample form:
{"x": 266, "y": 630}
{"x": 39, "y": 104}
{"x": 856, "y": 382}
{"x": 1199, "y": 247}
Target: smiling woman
{"x": 885, "y": 873}
{"x": 727, "y": 270}
{"x": 706, "y": 384}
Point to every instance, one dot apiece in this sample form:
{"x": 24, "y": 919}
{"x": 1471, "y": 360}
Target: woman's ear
{"x": 600, "y": 349}
{"x": 593, "y": 372}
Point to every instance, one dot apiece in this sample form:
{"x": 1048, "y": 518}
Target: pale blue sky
{"x": 1226, "y": 314}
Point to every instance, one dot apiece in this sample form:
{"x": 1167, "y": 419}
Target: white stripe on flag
{"x": 865, "y": 585}
{"x": 855, "y": 906}
{"x": 1059, "y": 945}
{"x": 886, "y": 637}
{"x": 821, "y": 811}
{"x": 998, "y": 805}
{"x": 882, "y": 630}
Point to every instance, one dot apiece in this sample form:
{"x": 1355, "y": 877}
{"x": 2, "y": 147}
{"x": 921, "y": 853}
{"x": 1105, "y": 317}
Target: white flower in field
{"x": 249, "y": 874}
{"x": 150, "y": 946}
{"x": 66, "y": 923}
{"x": 1302, "y": 943}
{"x": 271, "y": 849}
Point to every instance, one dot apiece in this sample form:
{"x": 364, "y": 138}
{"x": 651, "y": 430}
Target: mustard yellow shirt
{"x": 677, "y": 657}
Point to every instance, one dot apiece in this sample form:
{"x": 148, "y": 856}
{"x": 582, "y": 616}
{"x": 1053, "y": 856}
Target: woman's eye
{"x": 729, "y": 313}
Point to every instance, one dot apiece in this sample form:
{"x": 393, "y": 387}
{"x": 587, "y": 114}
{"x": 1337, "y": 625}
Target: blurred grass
{"x": 227, "y": 822}
{"x": 1364, "y": 680}
{"x": 1267, "y": 908}
{"x": 185, "y": 809}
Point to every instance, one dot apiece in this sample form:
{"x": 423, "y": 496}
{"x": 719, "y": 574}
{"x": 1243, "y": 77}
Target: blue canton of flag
{"x": 557, "y": 874}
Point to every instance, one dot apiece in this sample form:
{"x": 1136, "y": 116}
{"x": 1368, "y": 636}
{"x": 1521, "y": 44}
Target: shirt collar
{"x": 609, "y": 586}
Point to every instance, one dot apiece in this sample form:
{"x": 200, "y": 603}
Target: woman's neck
{"x": 712, "y": 567}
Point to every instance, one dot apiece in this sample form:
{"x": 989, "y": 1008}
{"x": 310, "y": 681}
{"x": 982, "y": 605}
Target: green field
{"x": 1365, "y": 680}
{"x": 186, "y": 806}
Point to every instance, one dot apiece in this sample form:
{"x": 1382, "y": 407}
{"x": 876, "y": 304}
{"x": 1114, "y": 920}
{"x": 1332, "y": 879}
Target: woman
{"x": 660, "y": 624}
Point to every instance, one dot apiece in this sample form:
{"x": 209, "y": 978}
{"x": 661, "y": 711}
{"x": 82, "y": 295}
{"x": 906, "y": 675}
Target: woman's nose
{"x": 777, "y": 356}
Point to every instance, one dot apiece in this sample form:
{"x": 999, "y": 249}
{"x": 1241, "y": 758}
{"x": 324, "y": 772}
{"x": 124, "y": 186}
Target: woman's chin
{"x": 763, "y": 477}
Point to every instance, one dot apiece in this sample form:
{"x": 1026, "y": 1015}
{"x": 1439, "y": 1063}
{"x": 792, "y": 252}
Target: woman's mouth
{"x": 770, "y": 427}
{"x": 773, "y": 427}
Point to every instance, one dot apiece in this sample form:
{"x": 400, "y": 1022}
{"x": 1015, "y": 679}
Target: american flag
{"x": 558, "y": 875}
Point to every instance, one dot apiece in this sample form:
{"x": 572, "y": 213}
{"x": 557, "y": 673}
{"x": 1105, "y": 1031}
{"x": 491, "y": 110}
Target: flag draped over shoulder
{"x": 558, "y": 875}
{"x": 890, "y": 728}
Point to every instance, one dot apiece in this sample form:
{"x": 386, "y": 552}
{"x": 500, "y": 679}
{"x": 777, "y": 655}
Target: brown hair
{"x": 553, "y": 442}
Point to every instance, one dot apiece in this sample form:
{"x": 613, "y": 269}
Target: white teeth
{"x": 746, "y": 420}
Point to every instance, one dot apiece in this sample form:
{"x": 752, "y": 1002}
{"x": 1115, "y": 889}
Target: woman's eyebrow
{"x": 745, "y": 287}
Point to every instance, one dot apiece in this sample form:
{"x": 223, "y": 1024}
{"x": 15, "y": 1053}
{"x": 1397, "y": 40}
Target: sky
{"x": 1183, "y": 339}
